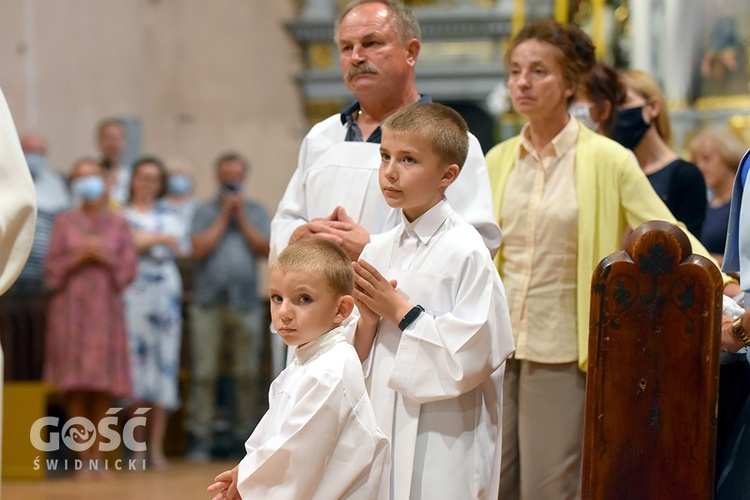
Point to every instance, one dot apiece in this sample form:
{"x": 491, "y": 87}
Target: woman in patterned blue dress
{"x": 153, "y": 302}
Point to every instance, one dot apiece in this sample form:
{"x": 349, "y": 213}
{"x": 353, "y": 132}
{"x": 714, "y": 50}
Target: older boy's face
{"x": 412, "y": 176}
{"x": 301, "y": 308}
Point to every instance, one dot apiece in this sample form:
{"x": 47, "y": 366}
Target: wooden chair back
{"x": 653, "y": 369}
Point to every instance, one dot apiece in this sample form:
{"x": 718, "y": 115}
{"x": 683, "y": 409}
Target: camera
{"x": 230, "y": 188}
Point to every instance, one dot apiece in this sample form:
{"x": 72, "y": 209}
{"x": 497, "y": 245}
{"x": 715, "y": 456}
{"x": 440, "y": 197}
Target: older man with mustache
{"x": 334, "y": 192}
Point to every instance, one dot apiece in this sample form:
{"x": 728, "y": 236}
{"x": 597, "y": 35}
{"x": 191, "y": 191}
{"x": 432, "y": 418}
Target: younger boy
{"x": 319, "y": 438}
{"x": 434, "y": 337}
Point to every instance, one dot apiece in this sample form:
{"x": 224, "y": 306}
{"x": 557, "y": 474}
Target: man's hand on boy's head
{"x": 316, "y": 228}
{"x": 338, "y": 228}
{"x": 377, "y": 293}
{"x": 344, "y": 231}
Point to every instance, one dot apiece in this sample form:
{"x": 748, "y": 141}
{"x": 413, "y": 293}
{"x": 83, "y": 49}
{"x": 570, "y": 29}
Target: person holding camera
{"x": 229, "y": 234}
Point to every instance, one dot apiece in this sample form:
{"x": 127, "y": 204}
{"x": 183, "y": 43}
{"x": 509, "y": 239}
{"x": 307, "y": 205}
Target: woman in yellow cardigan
{"x": 563, "y": 196}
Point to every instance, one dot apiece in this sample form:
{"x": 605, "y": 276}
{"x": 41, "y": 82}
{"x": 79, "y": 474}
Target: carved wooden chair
{"x": 653, "y": 369}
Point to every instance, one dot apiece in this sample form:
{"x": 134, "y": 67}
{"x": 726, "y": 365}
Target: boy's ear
{"x": 449, "y": 175}
{"x": 345, "y": 308}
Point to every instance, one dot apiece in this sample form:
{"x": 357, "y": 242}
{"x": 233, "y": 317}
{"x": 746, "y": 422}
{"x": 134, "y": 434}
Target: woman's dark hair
{"x": 163, "y": 174}
{"x": 576, "y": 49}
{"x": 603, "y": 84}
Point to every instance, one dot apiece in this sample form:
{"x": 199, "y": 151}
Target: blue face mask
{"x": 89, "y": 188}
{"x": 179, "y": 185}
{"x": 37, "y": 163}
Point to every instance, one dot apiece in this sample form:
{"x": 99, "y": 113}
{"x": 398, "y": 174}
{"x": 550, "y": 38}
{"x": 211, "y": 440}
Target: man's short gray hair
{"x": 403, "y": 21}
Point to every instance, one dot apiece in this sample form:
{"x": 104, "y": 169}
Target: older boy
{"x": 319, "y": 438}
{"x": 435, "y": 337}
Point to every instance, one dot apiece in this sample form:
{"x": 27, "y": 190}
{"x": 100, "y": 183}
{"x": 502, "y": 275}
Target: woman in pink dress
{"x": 91, "y": 259}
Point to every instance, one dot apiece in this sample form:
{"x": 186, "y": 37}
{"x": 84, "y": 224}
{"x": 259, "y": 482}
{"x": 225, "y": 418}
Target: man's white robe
{"x": 332, "y": 172}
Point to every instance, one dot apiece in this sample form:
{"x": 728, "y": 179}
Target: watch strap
{"x": 410, "y": 317}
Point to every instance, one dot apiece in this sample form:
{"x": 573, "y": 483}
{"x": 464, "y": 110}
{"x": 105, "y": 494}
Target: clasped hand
{"x": 92, "y": 251}
{"x": 232, "y": 205}
{"x": 339, "y": 228}
{"x": 375, "y": 296}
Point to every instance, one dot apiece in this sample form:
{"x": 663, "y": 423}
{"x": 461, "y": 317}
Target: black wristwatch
{"x": 410, "y": 317}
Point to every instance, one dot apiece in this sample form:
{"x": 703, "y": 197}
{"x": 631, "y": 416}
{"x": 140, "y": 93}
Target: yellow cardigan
{"x": 612, "y": 193}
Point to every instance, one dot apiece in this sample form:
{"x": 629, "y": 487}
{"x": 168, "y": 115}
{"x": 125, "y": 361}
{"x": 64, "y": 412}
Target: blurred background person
{"x": 600, "y": 93}
{"x": 153, "y": 303}
{"x": 112, "y": 141}
{"x": 91, "y": 259}
{"x": 733, "y": 422}
{"x": 642, "y": 125}
{"x": 179, "y": 197}
{"x": 52, "y": 198}
{"x": 229, "y": 236}
{"x": 717, "y": 152}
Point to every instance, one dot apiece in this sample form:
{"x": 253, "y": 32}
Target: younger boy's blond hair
{"x": 439, "y": 125}
{"x": 321, "y": 257}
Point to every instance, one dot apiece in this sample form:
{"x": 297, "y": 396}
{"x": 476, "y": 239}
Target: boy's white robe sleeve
{"x": 446, "y": 356}
{"x": 319, "y": 452}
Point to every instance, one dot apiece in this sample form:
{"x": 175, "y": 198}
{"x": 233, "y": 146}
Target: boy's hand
{"x": 226, "y": 485}
{"x": 377, "y": 293}
{"x": 366, "y": 316}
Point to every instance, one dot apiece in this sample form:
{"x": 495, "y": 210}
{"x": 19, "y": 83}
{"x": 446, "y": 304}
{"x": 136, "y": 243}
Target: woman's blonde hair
{"x": 730, "y": 148}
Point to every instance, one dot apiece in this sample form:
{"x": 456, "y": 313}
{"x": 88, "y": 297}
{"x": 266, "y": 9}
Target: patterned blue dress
{"x": 153, "y": 306}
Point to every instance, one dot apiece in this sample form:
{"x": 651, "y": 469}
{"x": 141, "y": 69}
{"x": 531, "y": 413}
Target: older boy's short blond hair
{"x": 441, "y": 126}
{"x": 321, "y": 257}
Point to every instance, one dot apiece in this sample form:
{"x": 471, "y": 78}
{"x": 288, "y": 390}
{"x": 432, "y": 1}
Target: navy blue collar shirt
{"x": 354, "y": 134}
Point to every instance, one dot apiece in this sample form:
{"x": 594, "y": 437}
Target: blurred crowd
{"x": 113, "y": 242}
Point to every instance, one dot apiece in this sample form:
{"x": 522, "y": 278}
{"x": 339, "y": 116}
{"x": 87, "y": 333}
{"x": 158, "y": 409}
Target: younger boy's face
{"x": 412, "y": 176}
{"x": 302, "y": 307}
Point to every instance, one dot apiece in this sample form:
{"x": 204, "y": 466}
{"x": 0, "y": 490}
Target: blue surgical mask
{"x": 89, "y": 188}
{"x": 582, "y": 113}
{"x": 179, "y": 185}
{"x": 37, "y": 163}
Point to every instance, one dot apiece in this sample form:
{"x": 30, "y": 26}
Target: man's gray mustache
{"x": 361, "y": 69}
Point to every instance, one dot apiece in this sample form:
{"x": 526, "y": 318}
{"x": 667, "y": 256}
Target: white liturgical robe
{"x": 319, "y": 438}
{"x": 17, "y": 209}
{"x": 17, "y": 202}
{"x": 332, "y": 172}
{"x": 436, "y": 387}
